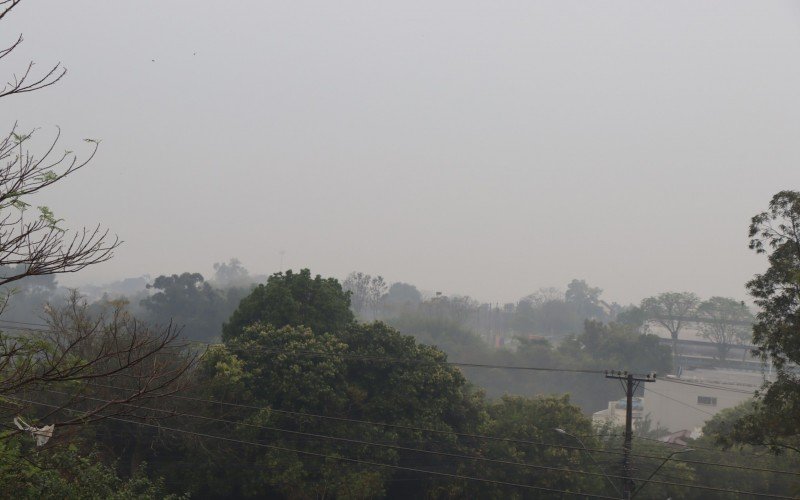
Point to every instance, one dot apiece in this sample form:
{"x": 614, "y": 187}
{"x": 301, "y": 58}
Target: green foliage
{"x": 741, "y": 434}
{"x": 777, "y": 291}
{"x": 775, "y": 419}
{"x": 369, "y": 372}
{"x": 600, "y": 346}
{"x": 334, "y": 374}
{"x": 535, "y": 420}
{"x": 47, "y": 216}
{"x": 444, "y": 333}
{"x": 63, "y": 473}
{"x": 614, "y": 344}
{"x": 293, "y": 299}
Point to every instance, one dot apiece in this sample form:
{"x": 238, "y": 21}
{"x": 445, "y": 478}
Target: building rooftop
{"x": 724, "y": 377}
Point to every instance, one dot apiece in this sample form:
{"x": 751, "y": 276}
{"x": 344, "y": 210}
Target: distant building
{"x": 615, "y": 413}
{"x": 686, "y": 402}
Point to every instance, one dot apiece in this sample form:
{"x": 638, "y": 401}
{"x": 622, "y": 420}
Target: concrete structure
{"x": 615, "y": 413}
{"x": 688, "y": 401}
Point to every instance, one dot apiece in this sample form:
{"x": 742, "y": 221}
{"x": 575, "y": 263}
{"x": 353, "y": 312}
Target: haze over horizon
{"x": 464, "y": 147}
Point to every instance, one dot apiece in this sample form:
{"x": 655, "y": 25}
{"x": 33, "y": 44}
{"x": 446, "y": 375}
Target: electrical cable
{"x": 550, "y": 445}
{"x": 350, "y": 440}
{"x": 454, "y": 433}
{"x": 331, "y": 457}
{"x": 681, "y": 402}
{"x": 707, "y": 386}
{"x": 396, "y": 360}
{"x": 691, "y": 486}
{"x": 386, "y": 359}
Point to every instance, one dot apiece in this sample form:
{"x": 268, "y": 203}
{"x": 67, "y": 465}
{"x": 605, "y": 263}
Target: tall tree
{"x": 357, "y": 283}
{"x": 776, "y": 333}
{"x": 403, "y": 293}
{"x": 189, "y": 302}
{"x": 293, "y": 299}
{"x": 725, "y": 322}
{"x": 231, "y": 274}
{"x": 776, "y": 233}
{"x": 377, "y": 292}
{"x": 585, "y": 298}
{"x": 366, "y": 292}
{"x": 672, "y": 310}
{"x": 368, "y": 372}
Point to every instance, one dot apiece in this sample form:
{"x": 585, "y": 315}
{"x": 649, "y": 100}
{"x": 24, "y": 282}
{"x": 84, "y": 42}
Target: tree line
{"x": 276, "y": 389}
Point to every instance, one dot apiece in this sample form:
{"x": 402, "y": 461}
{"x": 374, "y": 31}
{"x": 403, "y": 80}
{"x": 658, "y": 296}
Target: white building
{"x": 688, "y": 401}
{"x": 615, "y": 413}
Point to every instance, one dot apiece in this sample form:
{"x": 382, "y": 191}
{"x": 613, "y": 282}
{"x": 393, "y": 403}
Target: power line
{"x": 377, "y": 464}
{"x": 715, "y": 450}
{"x": 681, "y": 402}
{"x": 25, "y": 323}
{"x": 426, "y": 361}
{"x": 397, "y": 360}
{"x": 331, "y": 457}
{"x": 454, "y": 433}
{"x": 372, "y": 423}
{"x": 351, "y": 440}
{"x": 708, "y": 386}
{"x": 367, "y": 357}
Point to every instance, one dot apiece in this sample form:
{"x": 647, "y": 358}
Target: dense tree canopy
{"x": 585, "y": 298}
{"x": 63, "y": 473}
{"x": 619, "y": 345}
{"x": 231, "y": 274}
{"x": 295, "y": 369}
{"x": 401, "y": 294}
{"x": 189, "y": 302}
{"x": 293, "y": 299}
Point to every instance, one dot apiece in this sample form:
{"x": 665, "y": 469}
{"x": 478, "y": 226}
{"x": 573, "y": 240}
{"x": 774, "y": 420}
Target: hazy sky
{"x": 483, "y": 148}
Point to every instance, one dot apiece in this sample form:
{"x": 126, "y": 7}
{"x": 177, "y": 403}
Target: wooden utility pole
{"x": 631, "y": 384}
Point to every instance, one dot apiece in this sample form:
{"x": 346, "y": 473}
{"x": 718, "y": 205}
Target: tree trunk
{"x": 674, "y": 353}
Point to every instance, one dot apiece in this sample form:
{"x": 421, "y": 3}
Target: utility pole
{"x": 631, "y": 384}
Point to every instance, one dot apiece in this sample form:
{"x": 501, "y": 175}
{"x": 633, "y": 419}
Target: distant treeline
{"x": 574, "y": 328}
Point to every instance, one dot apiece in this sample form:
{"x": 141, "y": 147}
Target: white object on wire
{"x": 41, "y": 434}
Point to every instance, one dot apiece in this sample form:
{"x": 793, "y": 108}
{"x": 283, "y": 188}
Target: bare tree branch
{"x": 69, "y": 363}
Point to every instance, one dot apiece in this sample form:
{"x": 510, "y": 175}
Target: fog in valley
{"x": 543, "y": 249}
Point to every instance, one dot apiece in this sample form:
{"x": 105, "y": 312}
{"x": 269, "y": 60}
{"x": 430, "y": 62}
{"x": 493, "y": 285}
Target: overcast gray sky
{"x": 483, "y": 148}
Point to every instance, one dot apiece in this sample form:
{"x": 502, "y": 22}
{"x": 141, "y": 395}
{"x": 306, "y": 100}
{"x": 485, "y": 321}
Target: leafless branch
{"x": 68, "y": 363}
{"x": 6, "y": 6}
